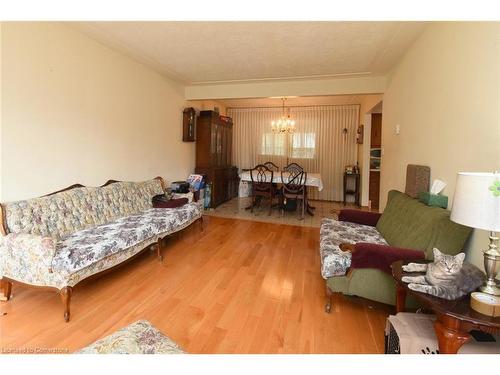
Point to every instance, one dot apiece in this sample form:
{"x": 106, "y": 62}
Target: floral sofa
{"x": 61, "y": 239}
{"x": 357, "y": 249}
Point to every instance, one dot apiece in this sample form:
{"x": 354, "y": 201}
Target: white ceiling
{"x": 215, "y": 52}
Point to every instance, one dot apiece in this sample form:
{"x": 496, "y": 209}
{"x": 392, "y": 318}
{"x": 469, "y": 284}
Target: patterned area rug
{"x": 137, "y": 338}
{"x": 235, "y": 209}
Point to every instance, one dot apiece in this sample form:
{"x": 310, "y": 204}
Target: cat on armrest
{"x": 448, "y": 277}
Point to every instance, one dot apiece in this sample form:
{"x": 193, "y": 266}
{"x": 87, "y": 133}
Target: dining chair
{"x": 262, "y": 185}
{"x": 293, "y": 166}
{"x": 294, "y": 186}
{"x": 273, "y": 167}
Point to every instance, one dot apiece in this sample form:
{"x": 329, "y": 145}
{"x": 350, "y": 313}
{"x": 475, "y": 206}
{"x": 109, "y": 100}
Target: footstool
{"x": 140, "y": 337}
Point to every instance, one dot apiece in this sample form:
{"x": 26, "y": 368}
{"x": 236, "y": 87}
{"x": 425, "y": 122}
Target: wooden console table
{"x": 455, "y": 319}
{"x": 355, "y": 190}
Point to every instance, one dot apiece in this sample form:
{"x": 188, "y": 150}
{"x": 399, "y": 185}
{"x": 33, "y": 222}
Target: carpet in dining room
{"x": 235, "y": 209}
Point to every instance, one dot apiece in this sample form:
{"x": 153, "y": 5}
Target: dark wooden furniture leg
{"x": 201, "y": 224}
{"x": 328, "y": 305}
{"x": 66, "y": 300}
{"x": 158, "y": 250}
{"x": 270, "y": 204}
{"x": 449, "y": 334}
{"x": 400, "y": 298}
{"x": 309, "y": 208}
{"x": 6, "y": 287}
{"x": 250, "y": 207}
{"x": 345, "y": 187}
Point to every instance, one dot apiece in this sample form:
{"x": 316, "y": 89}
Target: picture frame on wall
{"x": 359, "y": 134}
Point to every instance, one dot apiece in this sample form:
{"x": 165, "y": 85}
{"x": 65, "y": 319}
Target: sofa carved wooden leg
{"x": 158, "y": 250}
{"x": 6, "y": 287}
{"x": 201, "y": 224}
{"x": 329, "y": 295}
{"x": 65, "y": 294}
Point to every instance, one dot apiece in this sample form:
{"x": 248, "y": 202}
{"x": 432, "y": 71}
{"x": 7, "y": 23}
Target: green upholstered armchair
{"x": 405, "y": 225}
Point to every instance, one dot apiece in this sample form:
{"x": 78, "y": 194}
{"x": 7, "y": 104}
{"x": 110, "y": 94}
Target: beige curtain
{"x": 324, "y": 142}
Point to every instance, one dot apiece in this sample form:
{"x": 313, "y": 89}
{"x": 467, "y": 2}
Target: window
{"x": 273, "y": 144}
{"x": 303, "y": 145}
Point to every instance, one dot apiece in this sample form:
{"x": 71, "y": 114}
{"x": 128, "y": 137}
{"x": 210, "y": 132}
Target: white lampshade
{"x": 476, "y": 202}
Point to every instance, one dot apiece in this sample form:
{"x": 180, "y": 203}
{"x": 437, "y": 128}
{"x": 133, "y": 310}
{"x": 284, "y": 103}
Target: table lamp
{"x": 476, "y": 203}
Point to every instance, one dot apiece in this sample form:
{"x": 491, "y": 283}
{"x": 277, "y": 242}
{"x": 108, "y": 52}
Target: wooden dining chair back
{"x": 293, "y": 166}
{"x": 262, "y": 185}
{"x": 271, "y": 166}
{"x": 293, "y": 179}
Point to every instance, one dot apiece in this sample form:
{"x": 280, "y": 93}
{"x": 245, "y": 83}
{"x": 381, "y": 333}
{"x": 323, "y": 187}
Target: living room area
{"x": 250, "y": 187}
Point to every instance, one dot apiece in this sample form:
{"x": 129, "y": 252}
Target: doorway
{"x": 372, "y": 156}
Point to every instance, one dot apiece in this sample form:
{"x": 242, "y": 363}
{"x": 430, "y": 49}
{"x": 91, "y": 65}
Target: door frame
{"x": 365, "y": 173}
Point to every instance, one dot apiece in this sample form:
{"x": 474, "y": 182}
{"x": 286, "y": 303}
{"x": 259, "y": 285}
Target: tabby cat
{"x": 448, "y": 277}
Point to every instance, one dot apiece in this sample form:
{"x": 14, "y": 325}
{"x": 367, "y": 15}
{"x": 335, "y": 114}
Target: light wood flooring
{"x": 238, "y": 287}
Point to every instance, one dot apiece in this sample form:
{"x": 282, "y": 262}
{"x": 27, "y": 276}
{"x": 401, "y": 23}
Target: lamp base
{"x": 490, "y": 289}
{"x": 491, "y": 257}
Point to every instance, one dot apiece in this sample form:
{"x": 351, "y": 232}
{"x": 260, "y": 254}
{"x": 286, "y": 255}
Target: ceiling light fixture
{"x": 285, "y": 124}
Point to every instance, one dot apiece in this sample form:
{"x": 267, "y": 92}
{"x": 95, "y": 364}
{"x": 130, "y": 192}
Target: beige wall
{"x": 74, "y": 110}
{"x": 445, "y": 95}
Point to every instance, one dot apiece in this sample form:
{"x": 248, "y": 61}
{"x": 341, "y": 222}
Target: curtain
{"x": 324, "y": 142}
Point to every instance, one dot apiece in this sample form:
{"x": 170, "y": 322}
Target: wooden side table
{"x": 455, "y": 319}
{"x": 354, "y": 191}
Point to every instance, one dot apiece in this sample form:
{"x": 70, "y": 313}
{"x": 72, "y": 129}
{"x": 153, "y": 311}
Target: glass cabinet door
{"x": 213, "y": 145}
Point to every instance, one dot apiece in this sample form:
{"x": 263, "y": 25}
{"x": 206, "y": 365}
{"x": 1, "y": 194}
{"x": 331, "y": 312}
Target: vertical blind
{"x": 324, "y": 142}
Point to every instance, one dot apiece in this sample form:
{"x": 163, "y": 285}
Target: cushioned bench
{"x": 58, "y": 240}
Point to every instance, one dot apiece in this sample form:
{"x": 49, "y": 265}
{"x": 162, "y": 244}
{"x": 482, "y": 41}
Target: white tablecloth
{"x": 313, "y": 179}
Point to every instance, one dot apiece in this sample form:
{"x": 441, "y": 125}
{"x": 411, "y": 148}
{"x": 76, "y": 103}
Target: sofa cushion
{"x": 408, "y": 223}
{"x": 61, "y": 214}
{"x": 86, "y": 247}
{"x": 333, "y": 233}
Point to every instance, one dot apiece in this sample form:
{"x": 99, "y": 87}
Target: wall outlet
{"x": 397, "y": 130}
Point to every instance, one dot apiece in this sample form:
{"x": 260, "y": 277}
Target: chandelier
{"x": 285, "y": 124}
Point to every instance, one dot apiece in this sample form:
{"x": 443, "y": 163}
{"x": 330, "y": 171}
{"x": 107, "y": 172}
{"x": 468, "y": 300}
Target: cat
{"x": 448, "y": 277}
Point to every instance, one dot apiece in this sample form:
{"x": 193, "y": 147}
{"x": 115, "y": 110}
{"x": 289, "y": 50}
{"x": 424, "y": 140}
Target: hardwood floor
{"x": 238, "y": 287}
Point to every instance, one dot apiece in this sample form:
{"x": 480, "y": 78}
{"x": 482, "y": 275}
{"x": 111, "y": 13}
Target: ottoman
{"x": 140, "y": 337}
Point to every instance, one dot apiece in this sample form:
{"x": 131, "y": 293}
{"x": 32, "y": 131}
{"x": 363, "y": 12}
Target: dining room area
{"x": 292, "y": 155}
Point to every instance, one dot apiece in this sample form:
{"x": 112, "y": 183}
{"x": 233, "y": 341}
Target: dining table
{"x": 313, "y": 180}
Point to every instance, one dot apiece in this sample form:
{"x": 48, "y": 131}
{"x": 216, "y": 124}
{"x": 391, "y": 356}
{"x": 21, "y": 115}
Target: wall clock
{"x": 188, "y": 124}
